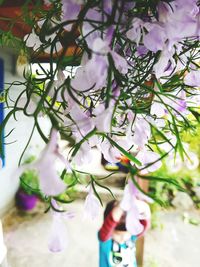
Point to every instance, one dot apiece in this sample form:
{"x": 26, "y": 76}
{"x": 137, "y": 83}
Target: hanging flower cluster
{"x": 132, "y": 88}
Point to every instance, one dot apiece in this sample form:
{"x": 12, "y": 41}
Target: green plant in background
{"x": 29, "y": 182}
{"x": 29, "y": 179}
{"x": 175, "y": 168}
{"x": 69, "y": 195}
{"x": 155, "y": 221}
{"x": 188, "y": 179}
{"x": 191, "y": 137}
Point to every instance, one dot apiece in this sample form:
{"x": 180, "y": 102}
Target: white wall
{"x": 22, "y": 128}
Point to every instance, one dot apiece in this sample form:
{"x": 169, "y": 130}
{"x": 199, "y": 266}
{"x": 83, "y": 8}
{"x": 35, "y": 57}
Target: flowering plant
{"x": 131, "y": 88}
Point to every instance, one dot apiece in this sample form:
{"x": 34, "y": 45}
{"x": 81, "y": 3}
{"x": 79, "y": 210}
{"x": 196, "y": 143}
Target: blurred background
{"x": 172, "y": 241}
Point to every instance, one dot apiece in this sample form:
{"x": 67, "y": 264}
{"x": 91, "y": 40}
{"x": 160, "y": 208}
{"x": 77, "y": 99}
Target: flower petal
{"x": 193, "y": 78}
{"x": 133, "y": 224}
{"x": 58, "y": 235}
{"x": 91, "y": 205}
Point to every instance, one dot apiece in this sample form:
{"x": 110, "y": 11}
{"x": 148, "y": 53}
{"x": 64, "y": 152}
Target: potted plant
{"x": 27, "y": 195}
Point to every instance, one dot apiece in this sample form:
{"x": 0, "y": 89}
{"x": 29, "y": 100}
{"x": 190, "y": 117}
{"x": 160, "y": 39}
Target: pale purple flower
{"x": 155, "y": 39}
{"x": 84, "y": 155}
{"x": 157, "y": 108}
{"x": 91, "y": 76}
{"x": 133, "y": 224}
{"x": 93, "y": 73}
{"x": 174, "y": 163}
{"x": 58, "y": 238}
{"x": 192, "y": 78}
{"x": 165, "y": 10}
{"x": 91, "y": 205}
{"x": 136, "y": 32}
{"x": 102, "y": 47}
{"x": 174, "y": 101}
{"x": 120, "y": 62}
{"x": 143, "y": 207}
{"x": 128, "y": 5}
{"x": 103, "y": 120}
{"x": 180, "y": 102}
{"x": 159, "y": 123}
{"x": 139, "y": 132}
{"x": 176, "y": 22}
{"x": 166, "y": 63}
{"x": 182, "y": 15}
{"x": 135, "y": 208}
{"x": 138, "y": 194}
{"x": 80, "y": 124}
{"x": 110, "y": 153}
{"x": 107, "y": 6}
{"x": 147, "y": 157}
{"x": 88, "y": 31}
{"x": 83, "y": 122}
{"x": 71, "y": 9}
{"x": 141, "y": 50}
{"x": 186, "y": 26}
{"x": 49, "y": 180}
{"x": 128, "y": 196}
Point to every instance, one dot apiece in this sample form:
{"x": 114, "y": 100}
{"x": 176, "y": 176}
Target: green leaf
{"x": 179, "y": 142}
{"x": 195, "y": 114}
{"x": 162, "y": 135}
{"x": 105, "y": 187}
{"x": 57, "y": 210}
{"x": 163, "y": 180}
{"x": 77, "y": 146}
{"x": 194, "y": 221}
{"x": 62, "y": 200}
{"x": 1, "y": 2}
{"x": 121, "y": 149}
{"x": 159, "y": 201}
{"x": 95, "y": 191}
{"x": 2, "y": 126}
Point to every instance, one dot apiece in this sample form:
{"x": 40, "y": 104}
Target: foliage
{"x": 135, "y": 90}
{"x": 187, "y": 179}
{"x": 29, "y": 179}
